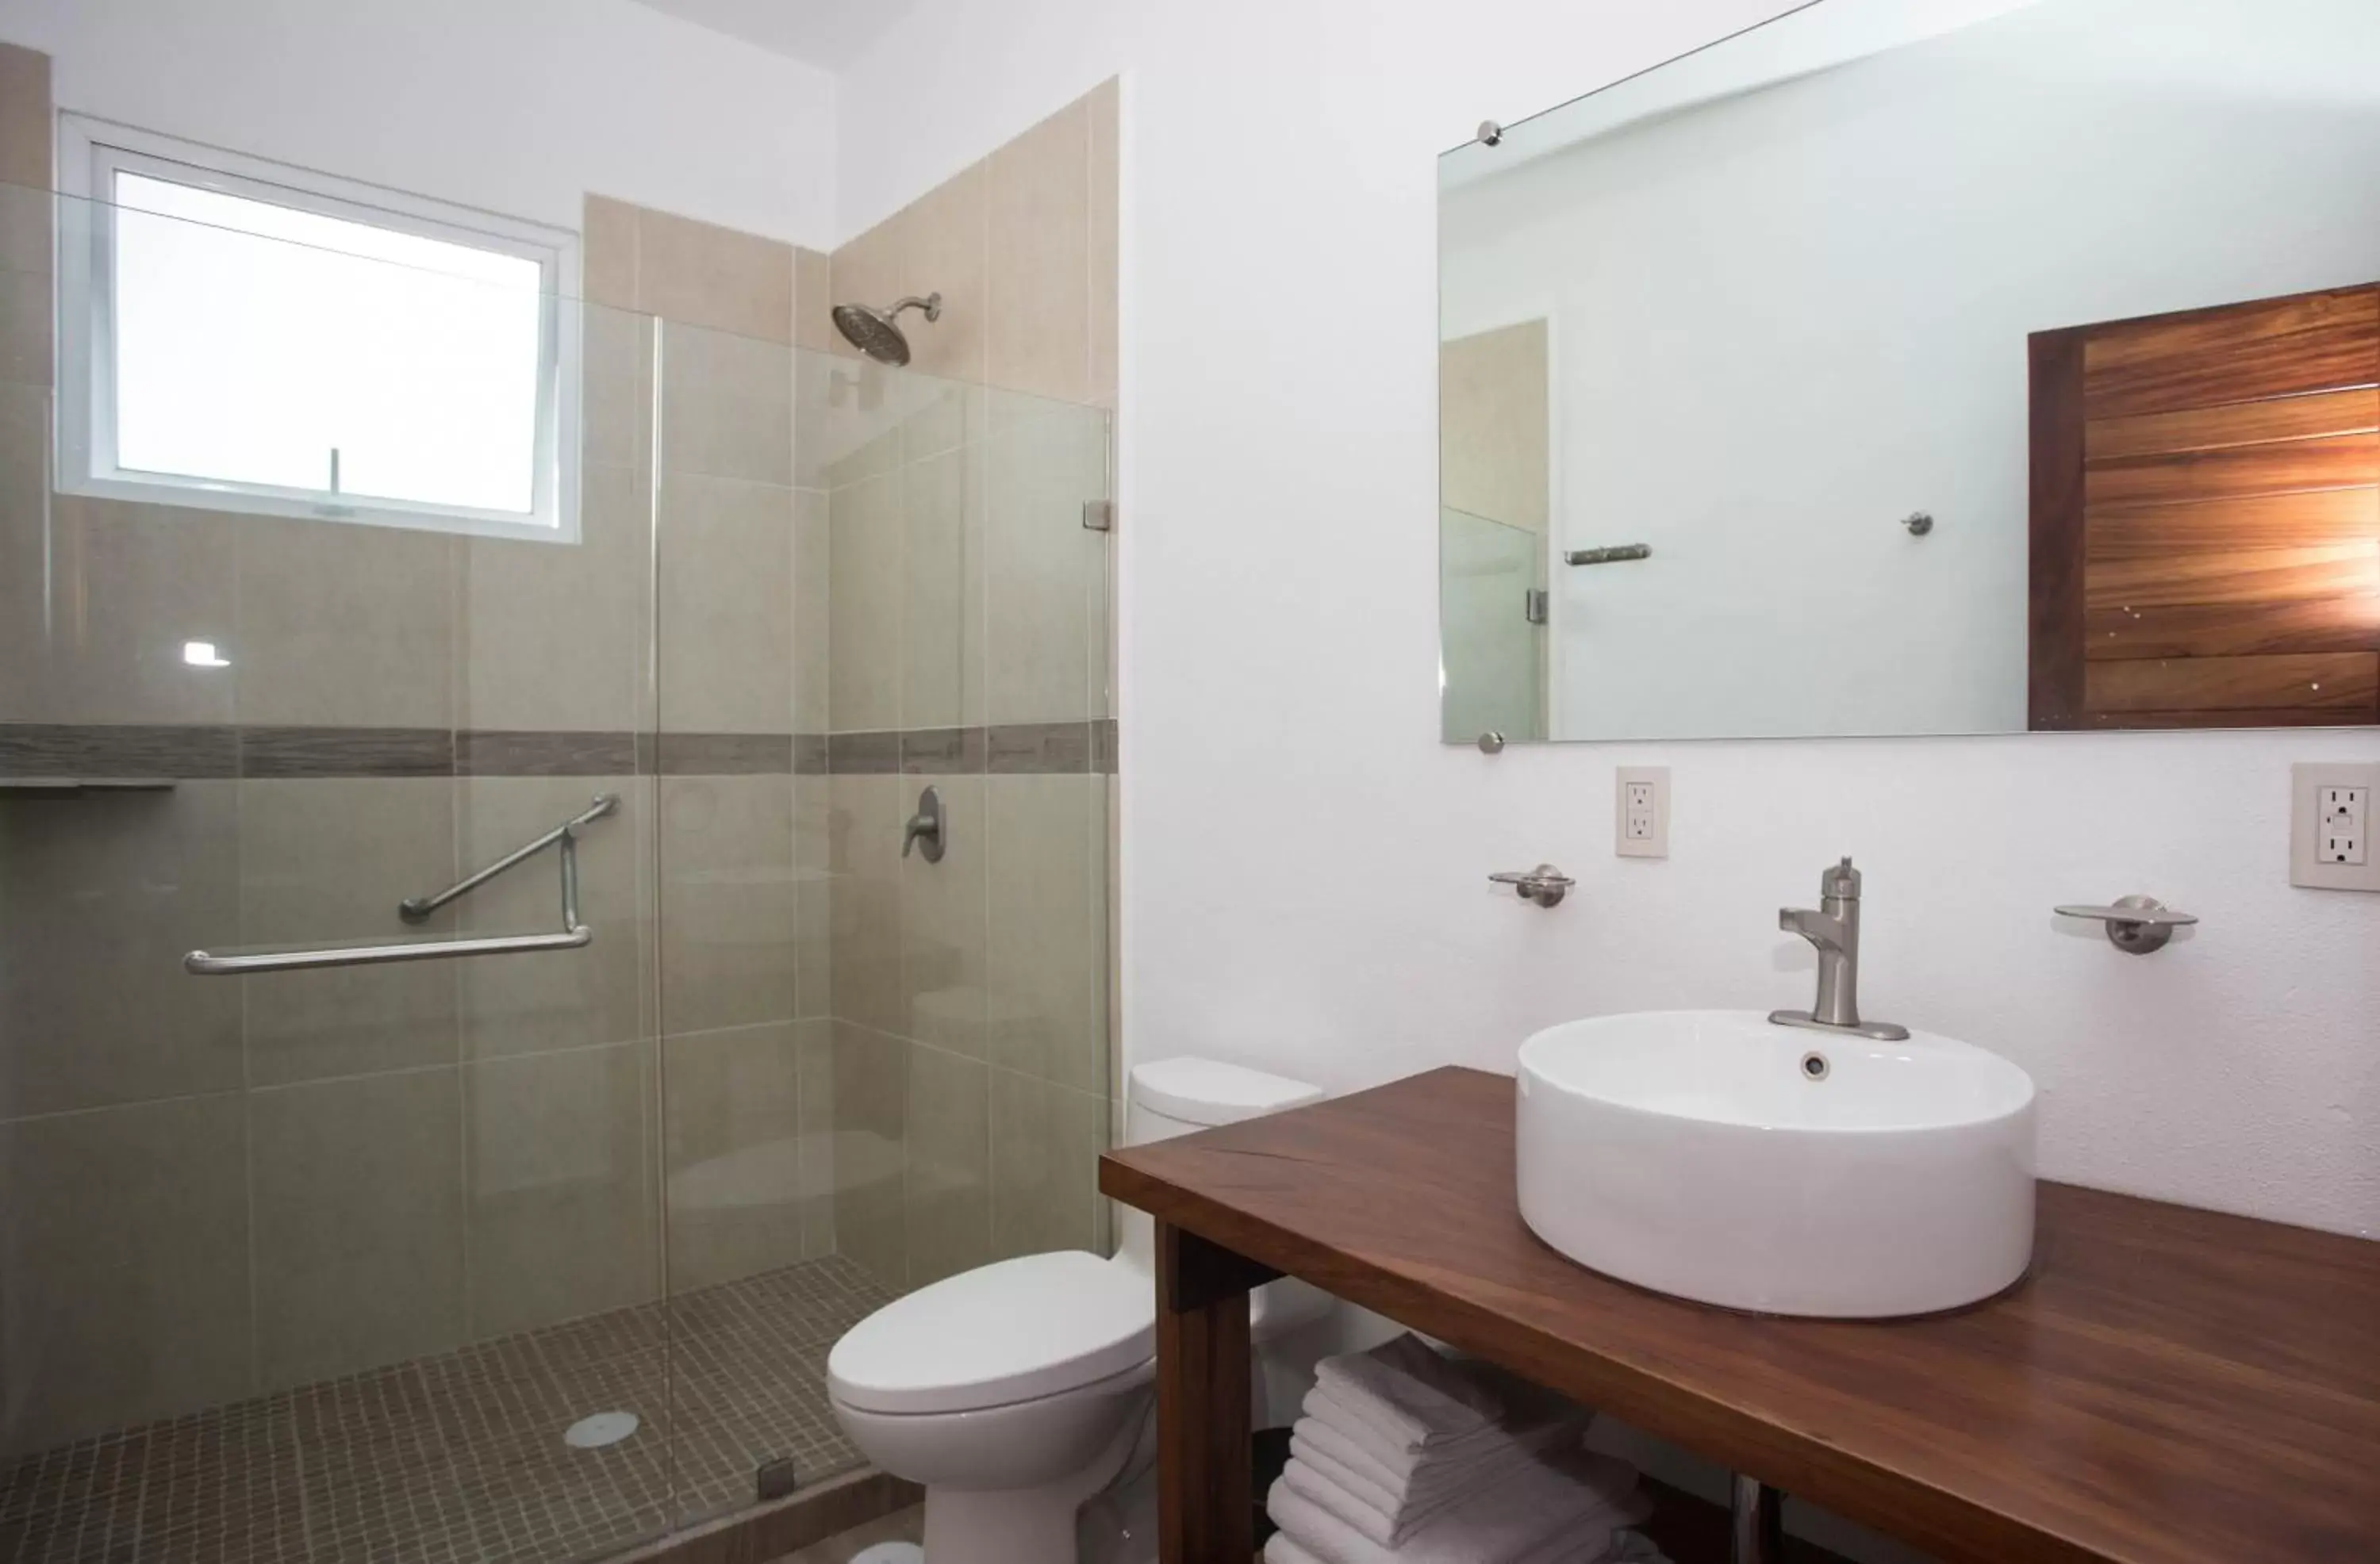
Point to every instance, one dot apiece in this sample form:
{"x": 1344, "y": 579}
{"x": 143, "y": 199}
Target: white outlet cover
{"x": 2307, "y": 782}
{"x": 1638, "y": 831}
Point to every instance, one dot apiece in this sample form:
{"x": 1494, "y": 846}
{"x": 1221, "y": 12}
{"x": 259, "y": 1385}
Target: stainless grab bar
{"x": 418, "y": 908}
{"x": 1613, "y": 555}
{"x": 572, "y": 935}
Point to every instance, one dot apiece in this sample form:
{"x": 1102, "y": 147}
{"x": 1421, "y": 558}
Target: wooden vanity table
{"x": 2169, "y": 1386}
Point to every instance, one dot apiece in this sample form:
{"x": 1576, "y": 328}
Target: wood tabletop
{"x": 2169, "y": 1386}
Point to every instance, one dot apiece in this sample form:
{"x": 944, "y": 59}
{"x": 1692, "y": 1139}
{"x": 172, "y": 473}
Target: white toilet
{"x": 1017, "y": 1390}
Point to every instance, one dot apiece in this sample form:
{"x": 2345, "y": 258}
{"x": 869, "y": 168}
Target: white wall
{"x": 1796, "y": 316}
{"x": 1302, "y": 863}
{"x": 516, "y": 106}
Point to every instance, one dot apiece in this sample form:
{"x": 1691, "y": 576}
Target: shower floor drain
{"x": 604, "y": 1428}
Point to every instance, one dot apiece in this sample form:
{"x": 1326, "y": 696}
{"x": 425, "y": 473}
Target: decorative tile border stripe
{"x": 59, "y": 749}
{"x": 309, "y": 753}
{"x": 287, "y": 753}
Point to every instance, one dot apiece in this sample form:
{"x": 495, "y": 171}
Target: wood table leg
{"x": 1202, "y": 1502}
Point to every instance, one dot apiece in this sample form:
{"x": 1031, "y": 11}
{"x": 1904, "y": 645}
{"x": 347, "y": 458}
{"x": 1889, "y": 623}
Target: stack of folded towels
{"x": 1406, "y": 1457}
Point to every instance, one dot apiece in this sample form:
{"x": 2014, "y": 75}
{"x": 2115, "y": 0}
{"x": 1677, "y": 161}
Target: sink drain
{"x": 604, "y": 1428}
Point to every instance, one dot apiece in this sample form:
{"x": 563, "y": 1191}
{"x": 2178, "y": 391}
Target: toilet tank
{"x": 1177, "y": 1096}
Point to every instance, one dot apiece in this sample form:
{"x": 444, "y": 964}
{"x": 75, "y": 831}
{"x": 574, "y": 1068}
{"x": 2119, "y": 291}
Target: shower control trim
{"x": 924, "y": 830}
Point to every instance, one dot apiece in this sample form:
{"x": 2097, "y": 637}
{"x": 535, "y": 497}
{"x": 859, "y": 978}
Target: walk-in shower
{"x": 318, "y": 1243}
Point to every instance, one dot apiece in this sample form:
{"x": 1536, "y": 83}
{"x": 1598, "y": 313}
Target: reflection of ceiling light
{"x": 202, "y": 654}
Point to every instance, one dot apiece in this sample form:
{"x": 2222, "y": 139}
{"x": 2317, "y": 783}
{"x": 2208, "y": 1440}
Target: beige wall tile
{"x": 93, "y": 624}
{"x": 726, "y": 852}
{"x": 26, "y": 627}
{"x": 125, "y": 1234}
{"x": 1046, "y": 945}
{"x": 1045, "y": 1150}
{"x": 813, "y": 610}
{"x": 28, "y": 215}
{"x": 344, "y": 625}
{"x": 942, "y": 252}
{"x": 727, "y": 406}
{"x": 726, "y": 616}
{"x": 1106, "y": 231}
{"x": 814, "y": 1049}
{"x": 864, "y": 568}
{"x": 814, "y": 300}
{"x": 1037, "y": 333}
{"x": 562, "y": 999}
{"x": 557, "y": 636}
{"x": 814, "y": 850}
{"x": 102, "y": 898}
{"x": 1045, "y": 574}
{"x": 871, "y": 1073}
{"x": 608, "y": 253}
{"x": 24, "y": 118}
{"x": 357, "y": 1190}
{"x": 941, "y": 616}
{"x": 737, "y": 1202}
{"x": 616, "y": 388}
{"x": 707, "y": 275}
{"x": 946, "y": 1190}
{"x": 560, "y": 1194}
{"x": 1494, "y": 426}
{"x": 25, "y": 355}
{"x": 870, "y": 269}
{"x": 328, "y": 860}
{"x": 864, "y": 855}
{"x": 942, "y": 923}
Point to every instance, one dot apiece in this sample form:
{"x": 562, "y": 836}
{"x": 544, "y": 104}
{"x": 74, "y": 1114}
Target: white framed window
{"x": 241, "y": 335}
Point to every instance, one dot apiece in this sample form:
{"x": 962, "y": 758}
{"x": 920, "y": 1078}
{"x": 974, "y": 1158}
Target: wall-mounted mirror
{"x": 1923, "y": 367}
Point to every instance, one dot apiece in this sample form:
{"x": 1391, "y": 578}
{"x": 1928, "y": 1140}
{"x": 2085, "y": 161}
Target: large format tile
{"x": 719, "y": 278}
{"x": 124, "y": 1237}
{"x": 726, "y": 647}
{"x": 1046, "y": 946}
{"x": 556, "y": 635}
{"x": 866, "y": 570}
{"x": 24, "y": 117}
{"x": 946, "y": 1187}
{"x": 813, "y": 611}
{"x": 616, "y": 388}
{"x": 814, "y": 846}
{"x": 325, "y": 862}
{"x": 1106, "y": 180}
{"x": 870, "y": 1084}
{"x": 556, "y": 999}
{"x": 814, "y": 300}
{"x": 727, "y": 902}
{"x": 358, "y": 1190}
{"x": 607, "y": 260}
{"x": 814, "y": 1051}
{"x": 560, "y": 1217}
{"x": 727, "y": 406}
{"x": 1040, "y": 259}
{"x": 1045, "y": 1149}
{"x": 865, "y": 858}
{"x": 737, "y": 1205}
{"x": 100, "y": 897}
{"x": 344, "y": 624}
{"x": 943, "y": 914}
{"x": 943, "y": 252}
{"x": 1045, "y": 572}
{"x": 942, "y": 617}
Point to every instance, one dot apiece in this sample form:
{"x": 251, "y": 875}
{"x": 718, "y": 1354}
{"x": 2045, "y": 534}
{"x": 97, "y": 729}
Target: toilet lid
{"x": 1001, "y": 1333}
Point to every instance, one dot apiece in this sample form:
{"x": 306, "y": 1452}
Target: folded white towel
{"x": 1627, "y": 1547}
{"x": 1576, "y": 1496}
{"x": 1391, "y": 1524}
{"x": 1282, "y": 1548}
{"x": 1414, "y": 1396}
{"x": 1364, "y": 1448}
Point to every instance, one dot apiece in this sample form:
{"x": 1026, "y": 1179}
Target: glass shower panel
{"x": 349, "y": 1249}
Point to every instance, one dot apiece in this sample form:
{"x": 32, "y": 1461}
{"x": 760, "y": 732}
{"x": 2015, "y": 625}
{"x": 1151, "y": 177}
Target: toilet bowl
{"x": 1015, "y": 1392}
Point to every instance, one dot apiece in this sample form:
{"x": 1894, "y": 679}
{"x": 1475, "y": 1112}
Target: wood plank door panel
{"x": 2205, "y": 528}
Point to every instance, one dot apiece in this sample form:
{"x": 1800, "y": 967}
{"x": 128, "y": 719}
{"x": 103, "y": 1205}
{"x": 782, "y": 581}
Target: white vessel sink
{"x": 1715, "y": 1155}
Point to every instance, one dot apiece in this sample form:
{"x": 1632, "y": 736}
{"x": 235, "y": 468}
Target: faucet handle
{"x": 1544, "y": 885}
{"x": 1842, "y": 882}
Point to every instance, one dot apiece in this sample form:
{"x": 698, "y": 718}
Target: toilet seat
{"x": 1016, "y": 1330}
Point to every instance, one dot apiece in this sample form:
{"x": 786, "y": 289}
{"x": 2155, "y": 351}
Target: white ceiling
{"x": 828, "y": 33}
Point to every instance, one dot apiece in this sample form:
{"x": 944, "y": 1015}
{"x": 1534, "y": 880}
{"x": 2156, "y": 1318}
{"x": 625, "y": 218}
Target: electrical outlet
{"x": 1641, "y": 808}
{"x": 2330, "y": 827}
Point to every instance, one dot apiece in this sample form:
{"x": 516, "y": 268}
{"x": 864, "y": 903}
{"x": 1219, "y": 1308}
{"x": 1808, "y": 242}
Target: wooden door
{"x": 2205, "y": 547}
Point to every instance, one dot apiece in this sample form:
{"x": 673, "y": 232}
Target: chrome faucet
{"x": 1834, "y": 929}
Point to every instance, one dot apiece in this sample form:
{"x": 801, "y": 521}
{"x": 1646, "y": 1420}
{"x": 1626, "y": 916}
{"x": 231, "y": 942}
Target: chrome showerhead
{"x": 872, "y": 331}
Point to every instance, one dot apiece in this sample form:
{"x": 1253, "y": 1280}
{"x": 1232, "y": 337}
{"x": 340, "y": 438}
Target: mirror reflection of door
{"x": 2207, "y": 517}
{"x": 1495, "y": 496}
